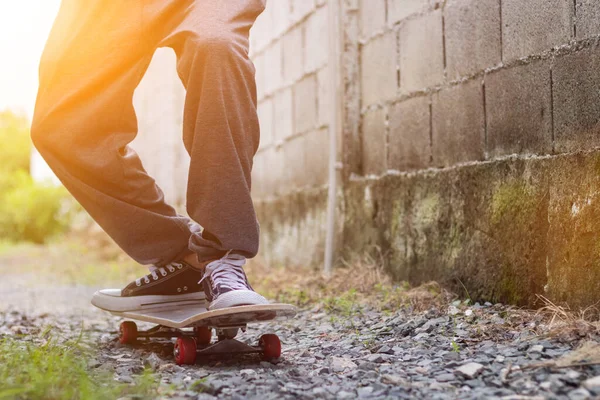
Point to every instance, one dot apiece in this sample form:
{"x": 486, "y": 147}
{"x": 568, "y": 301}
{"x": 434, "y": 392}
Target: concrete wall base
{"x": 501, "y": 231}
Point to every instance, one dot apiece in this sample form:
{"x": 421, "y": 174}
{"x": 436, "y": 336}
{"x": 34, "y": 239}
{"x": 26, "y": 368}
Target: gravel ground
{"x": 365, "y": 355}
{"x": 454, "y": 351}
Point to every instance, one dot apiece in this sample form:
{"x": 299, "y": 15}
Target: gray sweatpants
{"x": 96, "y": 55}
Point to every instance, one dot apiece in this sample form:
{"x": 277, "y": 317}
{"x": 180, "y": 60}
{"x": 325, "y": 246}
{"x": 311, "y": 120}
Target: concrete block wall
{"x": 479, "y": 130}
{"x": 289, "y": 50}
{"x": 469, "y": 146}
{"x": 501, "y": 77}
{"x": 158, "y": 104}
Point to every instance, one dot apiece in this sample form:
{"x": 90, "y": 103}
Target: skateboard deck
{"x": 195, "y": 315}
{"x": 174, "y": 322}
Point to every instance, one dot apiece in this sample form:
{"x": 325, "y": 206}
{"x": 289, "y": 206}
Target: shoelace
{"x": 153, "y": 272}
{"x": 227, "y": 273}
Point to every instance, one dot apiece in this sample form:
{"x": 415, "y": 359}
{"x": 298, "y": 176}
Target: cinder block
{"x": 372, "y": 17}
{"x": 258, "y": 175}
{"x": 458, "y": 124}
{"x": 533, "y": 26}
{"x": 293, "y": 63}
{"x": 576, "y": 85}
{"x": 374, "y": 142}
{"x": 268, "y": 173}
{"x": 518, "y": 107}
{"x": 473, "y": 36}
{"x": 409, "y": 138}
{"x": 421, "y": 52}
{"x": 379, "y": 69}
{"x": 301, "y": 8}
{"x": 265, "y": 116}
{"x": 316, "y": 42}
{"x": 317, "y": 157}
{"x": 400, "y": 9}
{"x": 294, "y": 172}
{"x": 323, "y": 96}
{"x": 283, "y": 120}
{"x": 261, "y": 32}
{"x": 281, "y": 16}
{"x": 587, "y": 18}
{"x": 273, "y": 65}
{"x": 275, "y": 174}
{"x": 305, "y": 104}
{"x": 261, "y": 83}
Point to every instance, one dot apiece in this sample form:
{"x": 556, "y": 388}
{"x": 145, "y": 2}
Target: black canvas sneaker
{"x": 226, "y": 285}
{"x": 174, "y": 284}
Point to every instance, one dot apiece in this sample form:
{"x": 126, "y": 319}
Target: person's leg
{"x": 95, "y": 57}
{"x": 221, "y": 134}
{"x": 221, "y": 129}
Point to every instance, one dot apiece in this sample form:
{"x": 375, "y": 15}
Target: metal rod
{"x": 334, "y": 126}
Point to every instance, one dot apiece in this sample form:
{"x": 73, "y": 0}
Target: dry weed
{"x": 361, "y": 281}
{"x": 565, "y": 324}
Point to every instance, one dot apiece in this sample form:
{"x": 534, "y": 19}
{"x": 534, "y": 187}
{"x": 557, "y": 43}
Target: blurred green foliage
{"x": 15, "y": 146}
{"x": 29, "y": 211}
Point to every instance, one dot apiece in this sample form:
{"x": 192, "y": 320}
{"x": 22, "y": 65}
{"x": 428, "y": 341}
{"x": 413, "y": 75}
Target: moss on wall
{"x": 506, "y": 230}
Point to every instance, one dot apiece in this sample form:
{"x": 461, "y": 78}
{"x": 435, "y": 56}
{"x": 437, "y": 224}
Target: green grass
{"x": 346, "y": 304}
{"x": 58, "y": 371}
{"x": 455, "y": 347}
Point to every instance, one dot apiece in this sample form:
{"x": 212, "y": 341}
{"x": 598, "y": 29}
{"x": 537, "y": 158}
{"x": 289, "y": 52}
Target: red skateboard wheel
{"x": 270, "y": 345}
{"x": 185, "y": 351}
{"x": 127, "y": 332}
{"x": 203, "y": 335}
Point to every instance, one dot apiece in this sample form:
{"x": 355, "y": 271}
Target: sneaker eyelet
{"x": 138, "y": 284}
{"x": 179, "y": 266}
{"x": 178, "y": 290}
{"x": 164, "y": 273}
{"x": 146, "y": 280}
{"x": 185, "y": 288}
{"x": 171, "y": 269}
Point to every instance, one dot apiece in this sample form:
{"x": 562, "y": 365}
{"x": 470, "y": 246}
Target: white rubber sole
{"x": 111, "y": 300}
{"x": 237, "y": 298}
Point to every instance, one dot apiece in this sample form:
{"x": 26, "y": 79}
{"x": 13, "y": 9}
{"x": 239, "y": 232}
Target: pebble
{"x": 538, "y": 348}
{"x": 470, "y": 370}
{"x": 447, "y": 377}
{"x": 248, "y": 373}
{"x": 339, "y": 364}
{"x": 392, "y": 379}
{"x": 365, "y": 391}
{"x": 579, "y": 394}
{"x": 153, "y": 361}
{"x": 593, "y": 385}
{"x": 453, "y": 310}
{"x": 375, "y": 358}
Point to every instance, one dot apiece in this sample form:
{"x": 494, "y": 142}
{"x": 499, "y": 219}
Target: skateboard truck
{"x": 193, "y": 327}
{"x": 197, "y": 343}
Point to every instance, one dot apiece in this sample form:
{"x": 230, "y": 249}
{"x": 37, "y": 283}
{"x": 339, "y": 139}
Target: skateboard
{"x": 192, "y": 325}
